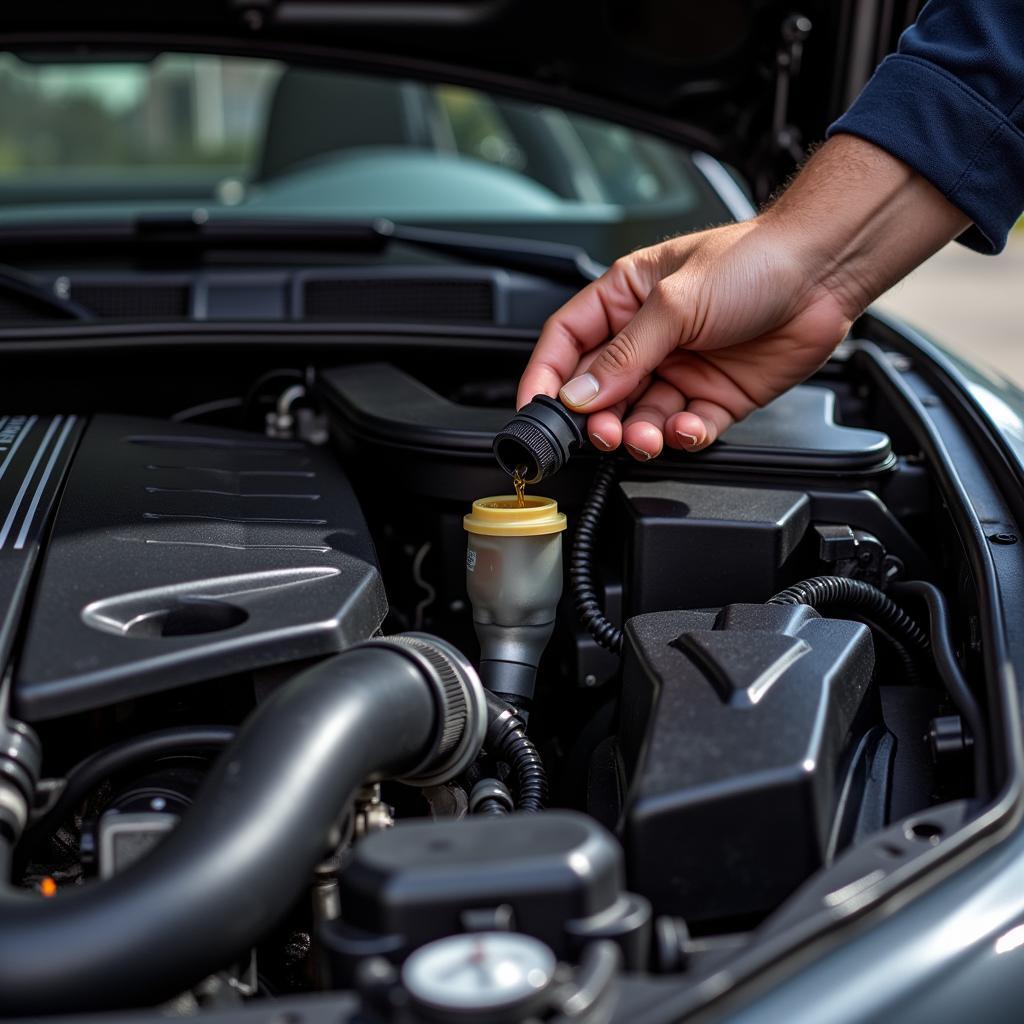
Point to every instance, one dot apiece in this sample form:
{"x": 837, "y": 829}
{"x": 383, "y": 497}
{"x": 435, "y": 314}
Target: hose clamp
{"x": 460, "y": 700}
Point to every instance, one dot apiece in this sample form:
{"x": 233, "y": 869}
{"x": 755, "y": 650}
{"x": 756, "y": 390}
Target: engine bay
{"x": 245, "y": 618}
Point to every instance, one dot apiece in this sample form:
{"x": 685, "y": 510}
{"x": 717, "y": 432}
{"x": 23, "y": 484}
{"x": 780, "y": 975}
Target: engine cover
{"x": 181, "y": 553}
{"x": 737, "y": 730}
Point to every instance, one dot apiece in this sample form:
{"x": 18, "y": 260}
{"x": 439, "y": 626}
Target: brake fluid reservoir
{"x": 514, "y": 579}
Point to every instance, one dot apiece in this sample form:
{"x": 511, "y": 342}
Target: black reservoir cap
{"x": 541, "y": 437}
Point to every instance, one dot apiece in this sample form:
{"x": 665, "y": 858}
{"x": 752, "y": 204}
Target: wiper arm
{"x": 551, "y": 259}
{"x": 174, "y": 235}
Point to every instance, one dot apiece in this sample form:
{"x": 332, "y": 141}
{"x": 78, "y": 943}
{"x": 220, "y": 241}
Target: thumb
{"x": 619, "y": 365}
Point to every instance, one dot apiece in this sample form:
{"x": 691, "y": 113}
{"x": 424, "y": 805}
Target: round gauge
{"x": 478, "y": 971}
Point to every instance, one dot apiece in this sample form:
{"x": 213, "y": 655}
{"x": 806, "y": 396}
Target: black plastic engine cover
{"x": 35, "y": 452}
{"x": 557, "y": 876}
{"x": 182, "y": 553}
{"x": 734, "y": 730}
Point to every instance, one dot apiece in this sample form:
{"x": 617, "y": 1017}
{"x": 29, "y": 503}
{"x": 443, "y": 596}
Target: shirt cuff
{"x": 967, "y": 148}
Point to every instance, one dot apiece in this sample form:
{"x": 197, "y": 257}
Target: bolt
{"x": 590, "y": 680}
{"x": 1003, "y": 538}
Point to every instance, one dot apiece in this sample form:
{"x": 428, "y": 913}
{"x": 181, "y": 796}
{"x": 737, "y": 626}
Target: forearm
{"x": 859, "y": 220}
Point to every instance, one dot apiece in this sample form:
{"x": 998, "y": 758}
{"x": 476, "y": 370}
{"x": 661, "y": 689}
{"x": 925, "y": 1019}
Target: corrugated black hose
{"x": 877, "y": 608}
{"x": 507, "y": 741}
{"x": 581, "y": 563}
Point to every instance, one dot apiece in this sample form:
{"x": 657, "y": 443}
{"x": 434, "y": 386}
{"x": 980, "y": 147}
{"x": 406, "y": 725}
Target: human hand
{"x": 678, "y": 341}
{"x": 703, "y": 328}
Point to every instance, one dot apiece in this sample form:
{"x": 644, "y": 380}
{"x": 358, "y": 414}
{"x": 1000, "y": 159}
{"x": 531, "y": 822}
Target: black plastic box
{"x": 735, "y": 729}
{"x": 694, "y": 545}
{"x": 557, "y": 876}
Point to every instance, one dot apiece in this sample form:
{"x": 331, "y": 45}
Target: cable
{"x": 951, "y": 673}
{"x": 85, "y": 776}
{"x": 581, "y": 563}
{"x": 508, "y": 742}
{"x": 870, "y": 602}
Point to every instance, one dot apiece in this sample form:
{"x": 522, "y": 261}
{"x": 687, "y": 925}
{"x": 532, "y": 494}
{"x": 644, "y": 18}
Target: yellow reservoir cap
{"x": 501, "y": 516}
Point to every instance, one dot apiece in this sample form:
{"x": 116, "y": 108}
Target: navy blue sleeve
{"x": 950, "y": 103}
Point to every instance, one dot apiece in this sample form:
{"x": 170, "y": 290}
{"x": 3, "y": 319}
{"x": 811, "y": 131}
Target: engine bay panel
{"x": 181, "y": 553}
{"x": 262, "y": 629}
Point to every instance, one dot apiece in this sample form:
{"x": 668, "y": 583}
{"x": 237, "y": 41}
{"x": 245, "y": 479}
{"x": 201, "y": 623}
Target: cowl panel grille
{"x": 450, "y": 302}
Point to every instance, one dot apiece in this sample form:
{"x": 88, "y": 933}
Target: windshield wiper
{"x": 178, "y": 236}
{"x": 552, "y": 259}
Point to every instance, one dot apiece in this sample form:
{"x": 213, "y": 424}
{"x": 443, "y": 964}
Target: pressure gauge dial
{"x": 479, "y": 974}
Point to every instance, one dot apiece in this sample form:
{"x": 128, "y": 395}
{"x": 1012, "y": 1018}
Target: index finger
{"x": 589, "y": 318}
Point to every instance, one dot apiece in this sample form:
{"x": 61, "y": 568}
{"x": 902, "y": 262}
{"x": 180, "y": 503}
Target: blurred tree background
{"x": 174, "y": 110}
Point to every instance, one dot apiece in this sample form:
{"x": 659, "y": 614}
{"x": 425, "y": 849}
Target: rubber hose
{"x": 508, "y": 742}
{"x": 952, "y": 674}
{"x": 490, "y": 808}
{"x": 581, "y": 563}
{"x": 85, "y": 776}
{"x": 239, "y": 859}
{"x": 866, "y": 600}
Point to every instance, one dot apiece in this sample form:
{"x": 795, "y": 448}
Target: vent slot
{"x": 133, "y": 302}
{"x": 359, "y": 299}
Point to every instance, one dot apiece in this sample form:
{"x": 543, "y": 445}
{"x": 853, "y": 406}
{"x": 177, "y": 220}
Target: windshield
{"x": 242, "y": 136}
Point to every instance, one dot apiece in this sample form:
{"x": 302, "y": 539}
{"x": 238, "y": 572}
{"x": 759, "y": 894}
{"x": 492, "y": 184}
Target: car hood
{"x": 751, "y": 81}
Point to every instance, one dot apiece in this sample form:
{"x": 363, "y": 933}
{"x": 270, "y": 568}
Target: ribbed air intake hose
{"x": 868, "y": 601}
{"x": 507, "y": 741}
{"x": 581, "y": 563}
{"x": 242, "y": 855}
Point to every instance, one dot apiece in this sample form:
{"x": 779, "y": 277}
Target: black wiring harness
{"x": 507, "y": 741}
{"x": 581, "y": 563}
{"x": 907, "y": 638}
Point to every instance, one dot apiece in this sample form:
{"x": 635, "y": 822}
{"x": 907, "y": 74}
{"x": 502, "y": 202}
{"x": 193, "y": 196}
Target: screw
{"x": 1003, "y": 538}
{"x": 590, "y": 680}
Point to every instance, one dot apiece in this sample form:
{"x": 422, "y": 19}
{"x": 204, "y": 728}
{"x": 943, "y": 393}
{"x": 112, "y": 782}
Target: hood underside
{"x": 752, "y": 81}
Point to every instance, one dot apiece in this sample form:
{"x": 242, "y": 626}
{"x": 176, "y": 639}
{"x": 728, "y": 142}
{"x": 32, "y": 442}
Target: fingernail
{"x": 690, "y": 440}
{"x": 600, "y": 442}
{"x": 646, "y": 456}
{"x": 580, "y": 390}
